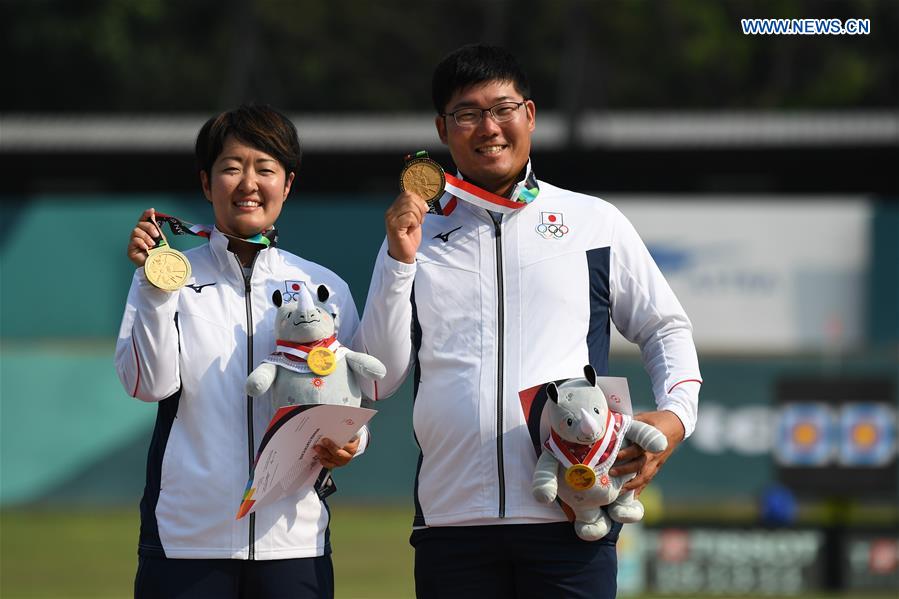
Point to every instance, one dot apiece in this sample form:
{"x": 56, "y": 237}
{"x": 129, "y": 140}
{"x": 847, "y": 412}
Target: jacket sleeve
{"x": 349, "y": 325}
{"x": 146, "y": 357}
{"x": 386, "y": 328}
{"x": 348, "y": 317}
{"x": 646, "y": 311}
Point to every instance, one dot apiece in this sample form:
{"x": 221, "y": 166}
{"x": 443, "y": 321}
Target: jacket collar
{"x": 227, "y": 261}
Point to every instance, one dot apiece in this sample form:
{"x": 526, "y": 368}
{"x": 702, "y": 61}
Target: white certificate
{"x": 286, "y": 461}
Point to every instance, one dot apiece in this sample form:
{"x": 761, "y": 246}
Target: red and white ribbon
{"x": 601, "y": 454}
{"x": 480, "y": 197}
{"x": 298, "y": 350}
{"x": 292, "y": 356}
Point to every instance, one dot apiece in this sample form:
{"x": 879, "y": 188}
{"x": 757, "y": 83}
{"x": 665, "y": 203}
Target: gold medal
{"x": 423, "y": 177}
{"x": 321, "y": 361}
{"x": 167, "y": 268}
{"x": 580, "y": 477}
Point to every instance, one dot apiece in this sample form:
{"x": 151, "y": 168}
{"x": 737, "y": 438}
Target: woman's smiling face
{"x": 247, "y": 188}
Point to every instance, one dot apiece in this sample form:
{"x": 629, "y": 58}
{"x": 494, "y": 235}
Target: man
{"x": 513, "y": 286}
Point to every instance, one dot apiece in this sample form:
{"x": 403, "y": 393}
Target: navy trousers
{"x": 514, "y": 561}
{"x": 305, "y": 578}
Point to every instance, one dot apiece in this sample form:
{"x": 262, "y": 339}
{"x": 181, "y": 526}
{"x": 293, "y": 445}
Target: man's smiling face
{"x": 489, "y": 154}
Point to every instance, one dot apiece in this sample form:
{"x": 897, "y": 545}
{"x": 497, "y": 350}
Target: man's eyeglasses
{"x": 471, "y": 117}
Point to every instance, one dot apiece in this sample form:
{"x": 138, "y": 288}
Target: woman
{"x": 191, "y": 350}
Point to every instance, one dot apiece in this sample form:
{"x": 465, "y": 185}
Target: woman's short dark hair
{"x": 259, "y": 126}
{"x": 474, "y": 64}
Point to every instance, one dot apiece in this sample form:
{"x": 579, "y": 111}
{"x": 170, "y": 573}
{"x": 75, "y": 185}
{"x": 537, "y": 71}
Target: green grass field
{"x": 92, "y": 554}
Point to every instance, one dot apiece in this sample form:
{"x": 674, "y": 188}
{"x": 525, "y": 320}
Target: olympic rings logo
{"x": 550, "y": 231}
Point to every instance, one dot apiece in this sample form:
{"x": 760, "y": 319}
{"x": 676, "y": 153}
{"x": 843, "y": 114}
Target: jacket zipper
{"x": 500, "y": 325}
{"x": 251, "y": 440}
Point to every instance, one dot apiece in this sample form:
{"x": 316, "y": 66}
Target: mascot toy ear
{"x": 276, "y": 298}
{"x": 553, "y": 392}
{"x": 323, "y": 293}
{"x": 590, "y": 374}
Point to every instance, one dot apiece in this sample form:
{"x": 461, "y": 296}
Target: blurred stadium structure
{"x": 776, "y": 225}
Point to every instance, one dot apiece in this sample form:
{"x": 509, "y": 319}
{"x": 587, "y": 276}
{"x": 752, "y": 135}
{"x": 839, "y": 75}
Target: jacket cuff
{"x": 683, "y": 401}
{"x": 401, "y": 269}
{"x": 364, "y": 439}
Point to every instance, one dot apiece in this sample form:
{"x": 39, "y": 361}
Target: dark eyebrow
{"x": 499, "y": 100}
{"x": 239, "y": 159}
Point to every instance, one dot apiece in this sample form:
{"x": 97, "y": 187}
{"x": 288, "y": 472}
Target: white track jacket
{"x": 191, "y": 350}
{"x": 496, "y": 310}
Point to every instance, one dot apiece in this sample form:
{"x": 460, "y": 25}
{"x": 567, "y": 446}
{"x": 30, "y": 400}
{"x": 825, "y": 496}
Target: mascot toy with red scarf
{"x": 582, "y": 446}
{"x": 309, "y": 365}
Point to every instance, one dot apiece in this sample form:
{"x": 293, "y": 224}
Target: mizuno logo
{"x": 445, "y": 236}
{"x": 199, "y": 288}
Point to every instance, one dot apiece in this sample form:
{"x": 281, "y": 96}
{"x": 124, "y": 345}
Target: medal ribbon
{"x": 522, "y": 194}
{"x": 558, "y": 446}
{"x": 293, "y": 356}
{"x": 599, "y": 451}
{"x": 182, "y": 227}
{"x": 299, "y": 350}
{"x": 482, "y": 198}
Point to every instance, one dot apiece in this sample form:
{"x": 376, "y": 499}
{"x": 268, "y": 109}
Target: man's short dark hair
{"x": 474, "y": 64}
{"x": 259, "y": 126}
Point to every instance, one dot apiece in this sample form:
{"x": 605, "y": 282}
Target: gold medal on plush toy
{"x": 321, "y": 361}
{"x": 423, "y": 177}
{"x": 580, "y": 477}
{"x": 165, "y": 267}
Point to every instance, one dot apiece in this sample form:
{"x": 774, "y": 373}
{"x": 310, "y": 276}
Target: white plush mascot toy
{"x": 309, "y": 365}
{"x": 583, "y": 444}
